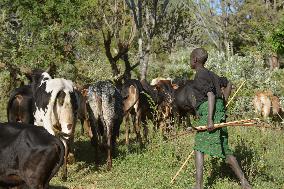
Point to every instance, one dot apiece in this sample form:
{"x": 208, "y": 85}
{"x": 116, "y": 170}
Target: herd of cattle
{"x": 32, "y": 155}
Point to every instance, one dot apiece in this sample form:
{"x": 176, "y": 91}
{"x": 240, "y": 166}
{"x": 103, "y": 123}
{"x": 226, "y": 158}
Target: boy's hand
{"x": 210, "y": 125}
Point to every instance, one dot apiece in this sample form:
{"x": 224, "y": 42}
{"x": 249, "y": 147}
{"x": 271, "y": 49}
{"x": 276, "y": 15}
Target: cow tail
{"x": 9, "y": 106}
{"x": 61, "y": 154}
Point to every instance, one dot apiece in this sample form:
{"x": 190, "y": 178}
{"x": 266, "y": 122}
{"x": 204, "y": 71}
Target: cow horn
{"x": 48, "y": 69}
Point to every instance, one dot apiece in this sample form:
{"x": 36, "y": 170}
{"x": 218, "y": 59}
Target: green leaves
{"x": 276, "y": 39}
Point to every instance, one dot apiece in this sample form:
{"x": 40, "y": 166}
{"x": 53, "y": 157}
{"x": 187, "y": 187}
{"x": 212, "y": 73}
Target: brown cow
{"x": 138, "y": 102}
{"x": 165, "y": 92}
{"x": 83, "y": 114}
{"x": 20, "y": 105}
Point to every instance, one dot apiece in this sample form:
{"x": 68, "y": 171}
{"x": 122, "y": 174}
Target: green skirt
{"x": 214, "y": 143}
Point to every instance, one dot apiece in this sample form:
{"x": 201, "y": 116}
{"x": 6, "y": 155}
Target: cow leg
{"x": 93, "y": 134}
{"x": 87, "y": 127}
{"x": 145, "y": 131}
{"x": 257, "y": 105}
{"x": 137, "y": 127}
{"x": 266, "y": 107}
{"x": 64, "y": 174}
{"x": 143, "y": 123}
{"x": 82, "y": 126}
{"x": 71, "y": 150}
{"x": 127, "y": 118}
{"x": 161, "y": 122}
{"x": 109, "y": 147}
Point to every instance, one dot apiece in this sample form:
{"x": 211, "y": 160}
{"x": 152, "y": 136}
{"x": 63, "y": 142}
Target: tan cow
{"x": 264, "y": 102}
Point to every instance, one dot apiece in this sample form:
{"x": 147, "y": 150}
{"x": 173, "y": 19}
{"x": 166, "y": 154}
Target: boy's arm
{"x": 211, "y": 106}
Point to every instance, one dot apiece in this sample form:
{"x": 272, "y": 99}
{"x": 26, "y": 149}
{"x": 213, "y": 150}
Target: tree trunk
{"x": 273, "y": 62}
{"x": 145, "y": 61}
{"x": 127, "y": 72}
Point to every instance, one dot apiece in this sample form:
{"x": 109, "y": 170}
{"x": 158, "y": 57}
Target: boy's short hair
{"x": 200, "y": 54}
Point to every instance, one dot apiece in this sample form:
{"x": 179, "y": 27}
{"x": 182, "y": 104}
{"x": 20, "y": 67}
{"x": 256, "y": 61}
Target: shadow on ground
{"x": 57, "y": 187}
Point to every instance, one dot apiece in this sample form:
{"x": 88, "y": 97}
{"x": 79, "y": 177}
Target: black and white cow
{"x": 29, "y": 156}
{"x": 20, "y": 105}
{"x": 55, "y": 107}
{"x": 106, "y": 106}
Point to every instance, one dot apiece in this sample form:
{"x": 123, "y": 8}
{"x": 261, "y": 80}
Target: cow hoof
{"x": 64, "y": 178}
{"x": 109, "y": 165}
{"x": 109, "y": 168}
{"x": 70, "y": 158}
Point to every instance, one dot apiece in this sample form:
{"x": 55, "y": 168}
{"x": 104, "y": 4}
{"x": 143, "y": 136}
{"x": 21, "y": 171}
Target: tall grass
{"x": 260, "y": 153}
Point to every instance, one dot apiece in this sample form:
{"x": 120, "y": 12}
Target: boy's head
{"x": 198, "y": 57}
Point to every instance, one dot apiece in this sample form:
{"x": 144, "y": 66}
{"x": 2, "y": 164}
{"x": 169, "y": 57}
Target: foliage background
{"x": 240, "y": 36}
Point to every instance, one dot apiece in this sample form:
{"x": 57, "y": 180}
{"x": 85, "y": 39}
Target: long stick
{"x": 235, "y": 93}
{"x": 248, "y": 122}
{"x": 187, "y": 159}
{"x": 204, "y": 127}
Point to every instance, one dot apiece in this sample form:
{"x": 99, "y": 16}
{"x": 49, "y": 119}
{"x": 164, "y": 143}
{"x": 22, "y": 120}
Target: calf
{"x": 264, "y": 102}
{"x": 55, "y": 107}
{"x": 105, "y": 103}
{"x": 20, "y": 105}
{"x": 29, "y": 156}
{"x": 83, "y": 115}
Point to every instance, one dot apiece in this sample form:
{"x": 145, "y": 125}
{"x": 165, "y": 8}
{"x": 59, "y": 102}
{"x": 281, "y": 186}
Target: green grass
{"x": 260, "y": 153}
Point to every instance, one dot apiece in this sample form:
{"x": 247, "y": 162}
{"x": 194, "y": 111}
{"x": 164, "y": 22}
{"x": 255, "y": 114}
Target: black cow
{"x": 20, "y": 105}
{"x": 105, "y": 103}
{"x": 29, "y": 156}
{"x": 184, "y": 101}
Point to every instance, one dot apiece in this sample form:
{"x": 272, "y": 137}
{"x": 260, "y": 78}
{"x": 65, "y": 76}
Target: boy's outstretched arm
{"x": 211, "y": 106}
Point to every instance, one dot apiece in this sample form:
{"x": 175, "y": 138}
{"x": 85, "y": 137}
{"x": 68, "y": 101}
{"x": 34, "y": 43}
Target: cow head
{"x": 38, "y": 77}
{"x": 130, "y": 95}
{"x": 65, "y": 111}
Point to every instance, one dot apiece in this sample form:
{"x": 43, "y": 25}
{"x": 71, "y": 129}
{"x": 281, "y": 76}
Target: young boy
{"x": 210, "y": 103}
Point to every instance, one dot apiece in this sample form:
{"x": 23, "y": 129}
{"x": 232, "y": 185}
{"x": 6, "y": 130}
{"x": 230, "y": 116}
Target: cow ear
{"x": 51, "y": 70}
{"x": 27, "y": 73}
